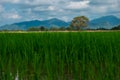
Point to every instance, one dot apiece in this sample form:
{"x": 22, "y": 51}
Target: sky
{"x": 12, "y": 11}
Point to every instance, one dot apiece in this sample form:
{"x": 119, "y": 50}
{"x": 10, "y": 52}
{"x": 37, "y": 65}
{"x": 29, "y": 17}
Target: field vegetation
{"x": 60, "y": 56}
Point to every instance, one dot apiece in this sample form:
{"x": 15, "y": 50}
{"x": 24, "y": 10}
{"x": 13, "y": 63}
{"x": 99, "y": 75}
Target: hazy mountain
{"x": 102, "y": 22}
{"x": 55, "y": 22}
{"x": 105, "y": 22}
{"x": 35, "y": 23}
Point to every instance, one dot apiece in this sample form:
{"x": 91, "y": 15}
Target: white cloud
{"x": 65, "y": 18}
{"x": 1, "y": 8}
{"x": 78, "y": 5}
{"x": 99, "y": 9}
{"x": 103, "y": 7}
{"x": 14, "y": 16}
{"x": 50, "y": 17}
{"x": 15, "y": 1}
{"x": 36, "y": 2}
{"x": 62, "y": 9}
{"x": 51, "y": 8}
{"x": 28, "y": 2}
{"x": 40, "y": 8}
{"x": 10, "y": 1}
{"x": 11, "y": 16}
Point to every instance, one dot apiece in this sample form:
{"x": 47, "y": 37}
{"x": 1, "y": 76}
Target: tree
{"x": 33, "y": 29}
{"x": 62, "y": 28}
{"x": 116, "y": 28}
{"x": 69, "y": 28}
{"x": 79, "y": 22}
{"x": 102, "y": 29}
{"x": 54, "y": 28}
{"x": 42, "y": 28}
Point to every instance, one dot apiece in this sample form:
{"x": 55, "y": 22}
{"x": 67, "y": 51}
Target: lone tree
{"x": 79, "y": 22}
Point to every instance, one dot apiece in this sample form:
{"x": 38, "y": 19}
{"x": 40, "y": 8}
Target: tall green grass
{"x": 60, "y": 56}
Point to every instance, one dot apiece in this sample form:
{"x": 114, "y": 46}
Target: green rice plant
{"x": 60, "y": 56}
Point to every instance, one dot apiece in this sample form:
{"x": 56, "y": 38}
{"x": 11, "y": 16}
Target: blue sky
{"x": 12, "y": 11}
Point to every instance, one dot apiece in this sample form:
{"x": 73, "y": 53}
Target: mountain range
{"x": 107, "y": 22}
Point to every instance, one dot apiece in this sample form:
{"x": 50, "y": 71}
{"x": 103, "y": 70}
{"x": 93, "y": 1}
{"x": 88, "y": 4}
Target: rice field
{"x": 60, "y": 56}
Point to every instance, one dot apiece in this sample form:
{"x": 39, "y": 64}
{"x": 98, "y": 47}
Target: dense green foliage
{"x": 60, "y": 56}
{"x": 116, "y": 28}
{"x": 42, "y": 28}
{"x": 79, "y": 22}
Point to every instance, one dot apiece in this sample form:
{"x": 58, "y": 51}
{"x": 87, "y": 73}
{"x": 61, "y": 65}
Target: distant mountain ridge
{"x": 35, "y": 23}
{"x": 105, "y": 22}
{"x": 102, "y": 22}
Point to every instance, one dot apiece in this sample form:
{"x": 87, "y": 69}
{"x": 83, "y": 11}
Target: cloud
{"x": 51, "y": 8}
{"x": 21, "y": 10}
{"x": 9, "y": 1}
{"x": 1, "y": 8}
{"x": 13, "y": 16}
{"x": 45, "y": 8}
{"x": 10, "y": 15}
{"x": 65, "y": 18}
{"x": 37, "y": 2}
{"x": 78, "y": 5}
{"x": 104, "y": 7}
